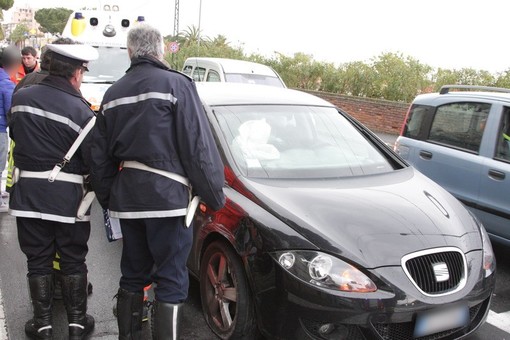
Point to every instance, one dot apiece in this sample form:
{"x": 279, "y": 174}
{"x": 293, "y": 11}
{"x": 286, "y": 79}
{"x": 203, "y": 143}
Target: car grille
{"x": 437, "y": 271}
{"x": 404, "y": 330}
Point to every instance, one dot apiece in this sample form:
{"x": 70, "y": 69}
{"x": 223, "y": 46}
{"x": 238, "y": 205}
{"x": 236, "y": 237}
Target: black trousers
{"x": 156, "y": 250}
{"x": 39, "y": 240}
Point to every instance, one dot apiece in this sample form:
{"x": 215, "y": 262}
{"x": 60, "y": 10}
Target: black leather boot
{"x": 129, "y": 314}
{"x": 74, "y": 292}
{"x": 57, "y": 285}
{"x": 57, "y": 291}
{"x": 165, "y": 321}
{"x": 41, "y": 293}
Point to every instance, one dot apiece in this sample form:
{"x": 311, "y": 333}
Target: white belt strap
{"x": 72, "y": 150}
{"x": 62, "y": 176}
{"x": 193, "y": 201}
{"x": 168, "y": 174}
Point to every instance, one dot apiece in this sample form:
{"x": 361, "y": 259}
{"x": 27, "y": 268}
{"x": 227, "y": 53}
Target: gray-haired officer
{"x": 153, "y": 125}
{"x": 48, "y": 122}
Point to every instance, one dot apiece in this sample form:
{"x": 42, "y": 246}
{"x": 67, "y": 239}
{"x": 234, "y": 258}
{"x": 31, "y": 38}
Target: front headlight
{"x": 324, "y": 270}
{"x": 489, "y": 261}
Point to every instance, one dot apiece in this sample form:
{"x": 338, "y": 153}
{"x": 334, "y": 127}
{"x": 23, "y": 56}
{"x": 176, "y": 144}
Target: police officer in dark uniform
{"x": 45, "y": 121}
{"x": 151, "y": 144}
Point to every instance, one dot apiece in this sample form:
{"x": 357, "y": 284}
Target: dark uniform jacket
{"x": 153, "y": 115}
{"x": 45, "y": 120}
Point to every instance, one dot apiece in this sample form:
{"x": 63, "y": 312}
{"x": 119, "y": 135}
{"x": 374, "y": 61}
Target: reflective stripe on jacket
{"x": 46, "y": 119}
{"x": 153, "y": 115}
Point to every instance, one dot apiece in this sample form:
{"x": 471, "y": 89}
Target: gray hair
{"x": 145, "y": 40}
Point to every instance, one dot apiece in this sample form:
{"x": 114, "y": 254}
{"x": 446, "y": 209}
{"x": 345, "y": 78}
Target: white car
{"x": 231, "y": 71}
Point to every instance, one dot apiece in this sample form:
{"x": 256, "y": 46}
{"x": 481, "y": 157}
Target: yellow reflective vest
{"x": 10, "y": 167}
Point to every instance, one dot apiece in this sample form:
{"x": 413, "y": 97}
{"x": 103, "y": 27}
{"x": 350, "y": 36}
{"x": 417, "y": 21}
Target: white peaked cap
{"x": 77, "y": 52}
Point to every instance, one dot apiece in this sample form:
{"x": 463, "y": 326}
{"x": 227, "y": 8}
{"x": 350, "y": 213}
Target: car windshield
{"x": 109, "y": 67}
{"x": 258, "y": 79}
{"x": 277, "y": 141}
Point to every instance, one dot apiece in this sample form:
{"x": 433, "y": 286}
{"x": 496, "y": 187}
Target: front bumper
{"x": 293, "y": 309}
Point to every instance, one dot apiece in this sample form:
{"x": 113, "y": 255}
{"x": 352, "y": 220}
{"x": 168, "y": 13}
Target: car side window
{"x": 213, "y": 76}
{"x": 460, "y": 125}
{"x": 503, "y": 147}
{"x": 198, "y": 74}
{"x": 187, "y": 70}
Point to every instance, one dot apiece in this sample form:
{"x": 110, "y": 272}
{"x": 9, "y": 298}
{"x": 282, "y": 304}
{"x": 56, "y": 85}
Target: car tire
{"x": 226, "y": 298}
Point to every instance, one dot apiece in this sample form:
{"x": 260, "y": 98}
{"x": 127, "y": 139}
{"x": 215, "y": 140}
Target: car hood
{"x": 373, "y": 220}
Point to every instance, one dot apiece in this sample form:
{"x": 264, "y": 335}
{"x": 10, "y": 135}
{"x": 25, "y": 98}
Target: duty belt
{"x": 57, "y": 175}
{"x": 193, "y": 200}
{"x": 87, "y": 199}
{"x": 61, "y": 176}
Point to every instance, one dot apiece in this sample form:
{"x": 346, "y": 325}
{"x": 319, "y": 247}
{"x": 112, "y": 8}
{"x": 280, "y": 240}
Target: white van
{"x": 231, "y": 70}
{"x": 105, "y": 30}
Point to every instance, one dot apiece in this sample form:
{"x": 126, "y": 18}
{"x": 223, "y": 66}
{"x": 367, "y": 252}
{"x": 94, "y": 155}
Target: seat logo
{"x": 441, "y": 271}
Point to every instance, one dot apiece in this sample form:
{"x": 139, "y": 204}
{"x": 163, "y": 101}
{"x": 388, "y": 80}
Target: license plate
{"x": 441, "y": 320}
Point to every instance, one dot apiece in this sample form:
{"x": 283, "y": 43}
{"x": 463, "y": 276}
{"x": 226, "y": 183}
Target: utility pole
{"x": 176, "y": 19}
{"x": 176, "y": 29}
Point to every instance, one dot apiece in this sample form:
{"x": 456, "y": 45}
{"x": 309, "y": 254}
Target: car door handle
{"x": 497, "y": 175}
{"x": 426, "y": 155}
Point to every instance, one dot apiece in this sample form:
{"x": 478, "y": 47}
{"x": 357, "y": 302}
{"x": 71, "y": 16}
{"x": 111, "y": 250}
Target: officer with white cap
{"x": 74, "y": 53}
{"x": 48, "y": 125}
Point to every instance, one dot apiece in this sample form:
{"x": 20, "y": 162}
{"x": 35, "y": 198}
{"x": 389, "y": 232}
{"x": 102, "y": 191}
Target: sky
{"x": 452, "y": 34}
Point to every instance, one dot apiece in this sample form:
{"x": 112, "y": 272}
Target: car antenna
{"x": 199, "y": 37}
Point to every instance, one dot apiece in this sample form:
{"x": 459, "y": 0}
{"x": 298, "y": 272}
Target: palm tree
{"x": 220, "y": 41}
{"x": 191, "y": 35}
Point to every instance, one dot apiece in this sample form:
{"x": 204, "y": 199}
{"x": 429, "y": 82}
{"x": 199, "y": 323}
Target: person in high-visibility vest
{"x": 10, "y": 168}
{"x": 506, "y": 139}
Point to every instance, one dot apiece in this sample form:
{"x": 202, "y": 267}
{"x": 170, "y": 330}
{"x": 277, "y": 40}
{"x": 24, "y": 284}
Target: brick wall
{"x": 376, "y": 114}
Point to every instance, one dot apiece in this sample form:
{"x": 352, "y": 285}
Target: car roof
{"x": 467, "y": 92}
{"x": 232, "y": 65}
{"x": 218, "y": 93}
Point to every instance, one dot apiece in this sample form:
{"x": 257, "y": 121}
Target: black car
{"x": 327, "y": 233}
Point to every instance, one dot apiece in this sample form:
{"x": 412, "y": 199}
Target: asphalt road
{"x": 104, "y": 273}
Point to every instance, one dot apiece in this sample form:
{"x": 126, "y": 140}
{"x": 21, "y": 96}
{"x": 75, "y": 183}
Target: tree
{"x": 504, "y": 79}
{"x": 466, "y": 76}
{"x": 19, "y": 34}
{"x": 357, "y": 79}
{"x": 4, "y": 6}
{"x": 390, "y": 76}
{"x": 52, "y": 20}
{"x": 192, "y": 35}
{"x": 192, "y": 44}
{"x": 399, "y": 78}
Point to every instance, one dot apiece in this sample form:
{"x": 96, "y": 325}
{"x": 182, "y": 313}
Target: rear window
{"x": 253, "y": 79}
